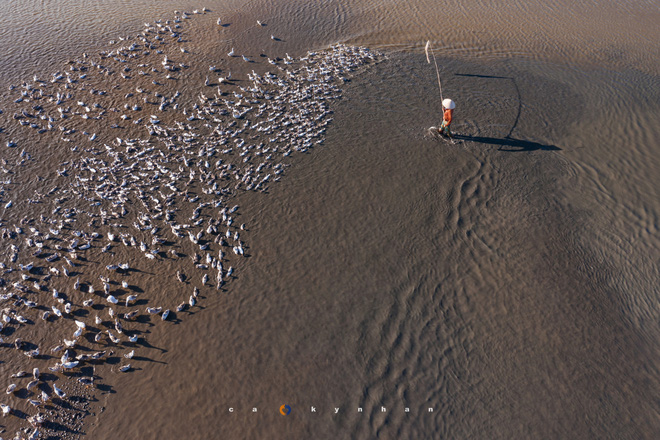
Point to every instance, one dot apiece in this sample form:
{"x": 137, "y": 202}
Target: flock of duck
{"x": 121, "y": 166}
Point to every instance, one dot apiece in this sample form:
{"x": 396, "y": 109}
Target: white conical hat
{"x": 448, "y": 103}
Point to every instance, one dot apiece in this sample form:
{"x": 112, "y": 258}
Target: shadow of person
{"x": 514, "y": 145}
{"x": 507, "y": 143}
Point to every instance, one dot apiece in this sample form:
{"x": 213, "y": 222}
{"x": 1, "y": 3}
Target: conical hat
{"x": 448, "y": 103}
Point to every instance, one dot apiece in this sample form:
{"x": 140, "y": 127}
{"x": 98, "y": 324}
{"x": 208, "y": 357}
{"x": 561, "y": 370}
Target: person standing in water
{"x": 448, "y": 107}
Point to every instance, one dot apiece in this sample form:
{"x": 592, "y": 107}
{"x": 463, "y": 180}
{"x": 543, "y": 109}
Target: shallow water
{"x": 508, "y": 281}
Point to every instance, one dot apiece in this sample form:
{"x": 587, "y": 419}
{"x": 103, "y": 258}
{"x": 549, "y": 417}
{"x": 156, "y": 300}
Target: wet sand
{"x": 507, "y": 281}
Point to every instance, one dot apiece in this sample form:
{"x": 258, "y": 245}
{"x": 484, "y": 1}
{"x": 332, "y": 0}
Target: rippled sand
{"x": 507, "y": 281}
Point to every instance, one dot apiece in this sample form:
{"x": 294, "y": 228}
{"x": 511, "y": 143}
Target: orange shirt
{"x": 446, "y": 116}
